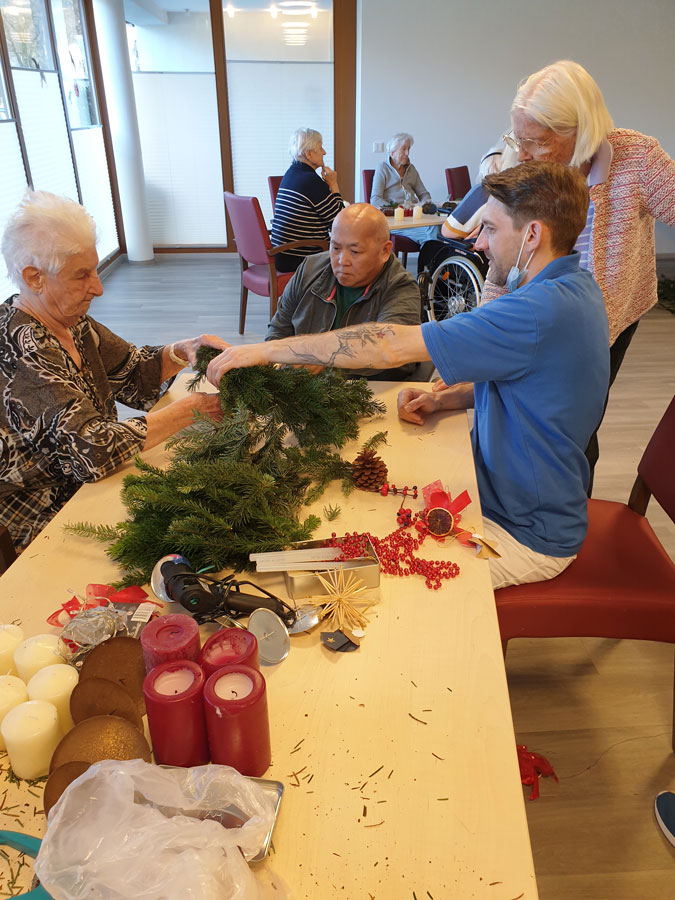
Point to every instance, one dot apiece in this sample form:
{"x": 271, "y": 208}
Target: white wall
{"x": 446, "y": 71}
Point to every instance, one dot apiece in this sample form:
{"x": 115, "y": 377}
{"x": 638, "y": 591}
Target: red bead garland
{"x": 396, "y": 551}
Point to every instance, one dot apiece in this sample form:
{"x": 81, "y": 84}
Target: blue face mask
{"x": 516, "y": 275}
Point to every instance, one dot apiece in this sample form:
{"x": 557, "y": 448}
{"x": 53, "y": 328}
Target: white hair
{"x": 398, "y": 140}
{"x": 565, "y": 98}
{"x": 304, "y": 140}
{"x": 43, "y": 231}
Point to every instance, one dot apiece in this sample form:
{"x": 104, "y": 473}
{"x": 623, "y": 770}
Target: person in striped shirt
{"x": 306, "y": 202}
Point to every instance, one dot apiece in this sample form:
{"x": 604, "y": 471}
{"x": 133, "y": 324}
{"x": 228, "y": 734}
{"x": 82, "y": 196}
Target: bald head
{"x": 359, "y": 245}
{"x": 364, "y": 220}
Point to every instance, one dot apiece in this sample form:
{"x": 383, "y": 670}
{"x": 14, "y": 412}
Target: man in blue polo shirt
{"x": 534, "y": 363}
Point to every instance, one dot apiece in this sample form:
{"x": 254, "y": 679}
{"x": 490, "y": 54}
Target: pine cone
{"x": 369, "y": 471}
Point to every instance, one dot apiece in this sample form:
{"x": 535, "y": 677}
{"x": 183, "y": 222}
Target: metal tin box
{"x": 305, "y": 584}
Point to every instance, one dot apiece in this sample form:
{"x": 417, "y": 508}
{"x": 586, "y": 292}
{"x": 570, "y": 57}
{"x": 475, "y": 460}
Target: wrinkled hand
{"x": 208, "y": 404}
{"x": 330, "y": 177}
{"x": 188, "y": 348}
{"x": 439, "y": 385}
{"x": 235, "y": 358}
{"x": 414, "y": 405}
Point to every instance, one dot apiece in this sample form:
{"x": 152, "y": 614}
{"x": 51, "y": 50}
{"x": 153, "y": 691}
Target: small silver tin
{"x": 305, "y": 584}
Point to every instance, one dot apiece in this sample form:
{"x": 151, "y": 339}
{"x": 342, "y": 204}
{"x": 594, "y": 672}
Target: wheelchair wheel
{"x": 455, "y": 288}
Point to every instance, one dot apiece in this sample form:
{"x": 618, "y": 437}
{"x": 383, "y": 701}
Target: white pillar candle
{"x": 55, "y": 685}
{"x": 233, "y": 686}
{"x": 31, "y": 733}
{"x": 398, "y": 213}
{"x": 35, "y": 653}
{"x": 417, "y": 212}
{"x": 10, "y": 638}
{"x": 12, "y": 692}
{"x": 170, "y": 683}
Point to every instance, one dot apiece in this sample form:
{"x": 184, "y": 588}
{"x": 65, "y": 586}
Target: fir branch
{"x": 331, "y": 512}
{"x": 236, "y": 486}
{"x": 374, "y": 442}
{"x": 103, "y": 533}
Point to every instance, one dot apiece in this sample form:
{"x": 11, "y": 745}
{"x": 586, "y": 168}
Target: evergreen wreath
{"x": 236, "y": 487}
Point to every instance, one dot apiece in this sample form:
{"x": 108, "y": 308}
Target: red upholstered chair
{"x": 273, "y": 183}
{"x": 622, "y": 584}
{"x": 256, "y": 253}
{"x": 367, "y": 176}
{"x": 458, "y": 181}
{"x": 400, "y": 243}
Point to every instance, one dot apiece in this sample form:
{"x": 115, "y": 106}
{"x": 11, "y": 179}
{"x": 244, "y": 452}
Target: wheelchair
{"x": 450, "y": 277}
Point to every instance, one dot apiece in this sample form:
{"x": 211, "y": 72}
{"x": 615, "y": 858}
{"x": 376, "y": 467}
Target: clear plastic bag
{"x": 131, "y": 829}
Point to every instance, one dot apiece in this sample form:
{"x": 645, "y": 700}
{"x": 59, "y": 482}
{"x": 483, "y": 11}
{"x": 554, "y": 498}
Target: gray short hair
{"x": 565, "y": 98}
{"x": 304, "y": 140}
{"x": 401, "y": 138}
{"x": 43, "y": 231}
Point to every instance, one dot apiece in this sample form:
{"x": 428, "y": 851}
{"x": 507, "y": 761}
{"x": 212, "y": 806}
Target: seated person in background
{"x": 306, "y": 202}
{"x": 358, "y": 280}
{"x": 490, "y": 163}
{"x": 464, "y": 221}
{"x": 398, "y": 181}
{"x": 534, "y": 363}
{"x": 61, "y": 372}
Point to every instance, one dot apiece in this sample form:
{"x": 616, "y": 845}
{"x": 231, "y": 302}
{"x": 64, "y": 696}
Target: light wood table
{"x": 387, "y": 806}
{"x": 411, "y": 222}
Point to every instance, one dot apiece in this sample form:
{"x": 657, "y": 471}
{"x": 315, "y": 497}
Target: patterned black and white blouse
{"x": 59, "y": 425}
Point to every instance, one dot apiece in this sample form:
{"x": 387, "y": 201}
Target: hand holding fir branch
{"x": 236, "y": 487}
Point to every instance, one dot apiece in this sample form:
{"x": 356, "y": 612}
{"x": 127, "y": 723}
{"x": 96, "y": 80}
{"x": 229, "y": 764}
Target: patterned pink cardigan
{"x": 639, "y": 189}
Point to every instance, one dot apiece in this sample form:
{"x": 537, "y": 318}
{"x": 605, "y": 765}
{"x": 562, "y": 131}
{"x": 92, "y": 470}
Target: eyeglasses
{"x": 527, "y": 145}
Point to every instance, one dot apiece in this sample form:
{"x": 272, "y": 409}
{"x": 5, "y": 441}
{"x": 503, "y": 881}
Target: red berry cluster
{"x": 396, "y": 551}
{"x": 386, "y": 488}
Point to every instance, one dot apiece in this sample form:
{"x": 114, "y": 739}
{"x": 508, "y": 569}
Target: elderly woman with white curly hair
{"x": 396, "y": 180}
{"x": 306, "y": 202}
{"x": 61, "y": 371}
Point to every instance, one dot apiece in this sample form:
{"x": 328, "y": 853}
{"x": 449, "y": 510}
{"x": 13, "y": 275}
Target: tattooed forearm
{"x": 359, "y": 347}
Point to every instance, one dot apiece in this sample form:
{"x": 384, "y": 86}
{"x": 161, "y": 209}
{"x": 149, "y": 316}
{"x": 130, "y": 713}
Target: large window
{"x": 74, "y": 60}
{"x": 175, "y": 89}
{"x": 279, "y": 78}
{"x": 57, "y": 113}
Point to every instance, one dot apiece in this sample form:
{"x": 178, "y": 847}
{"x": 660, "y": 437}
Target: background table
{"x": 404, "y": 753}
{"x": 411, "y": 222}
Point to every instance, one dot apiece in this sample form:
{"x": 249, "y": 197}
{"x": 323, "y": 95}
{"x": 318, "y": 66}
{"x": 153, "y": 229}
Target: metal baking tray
{"x": 305, "y": 584}
{"x": 275, "y": 791}
{"x": 232, "y": 817}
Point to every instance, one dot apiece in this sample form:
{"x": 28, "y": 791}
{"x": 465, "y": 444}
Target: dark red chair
{"x": 400, "y": 243}
{"x": 273, "y": 183}
{"x": 622, "y": 584}
{"x": 7, "y": 551}
{"x": 458, "y": 181}
{"x": 256, "y": 253}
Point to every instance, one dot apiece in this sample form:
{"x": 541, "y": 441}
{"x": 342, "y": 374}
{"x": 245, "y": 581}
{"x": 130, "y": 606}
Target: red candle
{"x": 175, "y": 706}
{"x": 229, "y": 647}
{"x": 169, "y": 638}
{"x": 235, "y": 703}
